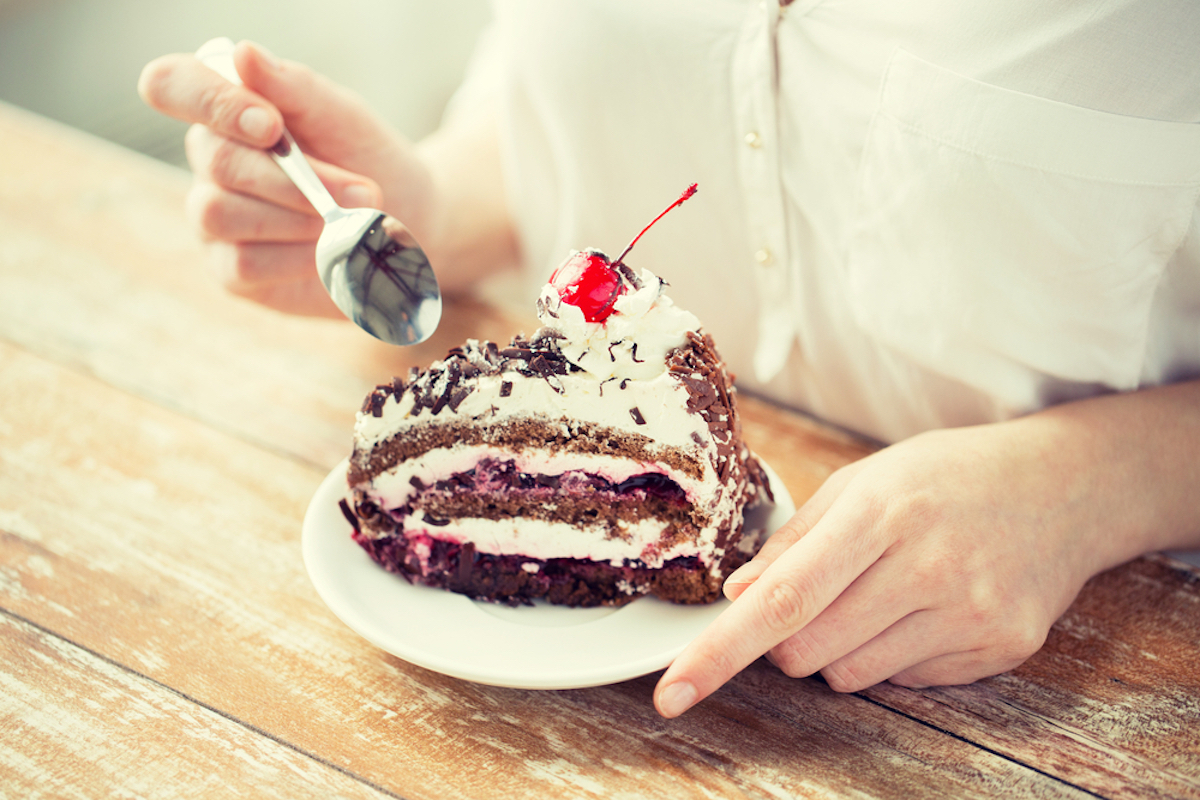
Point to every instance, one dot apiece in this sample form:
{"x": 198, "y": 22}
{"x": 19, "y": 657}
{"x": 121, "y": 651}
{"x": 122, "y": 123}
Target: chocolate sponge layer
{"x": 516, "y": 580}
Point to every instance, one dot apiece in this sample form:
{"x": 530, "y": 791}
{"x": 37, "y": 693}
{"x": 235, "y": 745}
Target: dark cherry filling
{"x": 492, "y": 475}
{"x": 653, "y": 483}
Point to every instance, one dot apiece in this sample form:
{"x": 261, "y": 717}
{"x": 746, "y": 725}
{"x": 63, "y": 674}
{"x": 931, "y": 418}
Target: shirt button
{"x": 753, "y": 139}
{"x": 765, "y": 257}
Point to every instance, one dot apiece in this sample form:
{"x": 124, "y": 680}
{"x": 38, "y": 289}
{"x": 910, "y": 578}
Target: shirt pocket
{"x": 1002, "y": 239}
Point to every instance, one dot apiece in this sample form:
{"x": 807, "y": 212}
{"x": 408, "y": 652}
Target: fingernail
{"x": 255, "y": 123}
{"x": 733, "y": 589}
{"x": 357, "y": 196}
{"x": 741, "y": 574}
{"x": 677, "y": 698}
{"x": 741, "y": 578}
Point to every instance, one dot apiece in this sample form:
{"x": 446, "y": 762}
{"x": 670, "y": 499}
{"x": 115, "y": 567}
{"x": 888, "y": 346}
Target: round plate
{"x": 530, "y": 647}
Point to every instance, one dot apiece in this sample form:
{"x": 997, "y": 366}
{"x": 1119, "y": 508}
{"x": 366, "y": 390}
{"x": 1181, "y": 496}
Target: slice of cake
{"x": 595, "y": 462}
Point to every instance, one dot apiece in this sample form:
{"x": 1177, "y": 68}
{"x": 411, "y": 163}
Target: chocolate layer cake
{"x": 597, "y": 461}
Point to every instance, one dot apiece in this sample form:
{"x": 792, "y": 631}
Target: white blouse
{"x": 910, "y": 215}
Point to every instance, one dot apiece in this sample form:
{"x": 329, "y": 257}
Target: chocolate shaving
{"x": 637, "y": 416}
{"x": 348, "y": 514}
{"x": 505, "y": 388}
{"x": 546, "y": 334}
{"x": 459, "y": 394}
{"x": 374, "y": 402}
{"x": 633, "y": 355}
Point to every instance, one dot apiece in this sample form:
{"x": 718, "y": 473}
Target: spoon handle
{"x": 217, "y": 55}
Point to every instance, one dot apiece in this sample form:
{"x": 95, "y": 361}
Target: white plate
{"x": 538, "y": 647}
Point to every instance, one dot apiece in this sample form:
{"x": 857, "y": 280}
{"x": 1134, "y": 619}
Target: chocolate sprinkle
{"x": 348, "y": 514}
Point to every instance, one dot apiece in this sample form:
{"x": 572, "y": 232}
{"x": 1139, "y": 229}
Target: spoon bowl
{"x": 369, "y": 262}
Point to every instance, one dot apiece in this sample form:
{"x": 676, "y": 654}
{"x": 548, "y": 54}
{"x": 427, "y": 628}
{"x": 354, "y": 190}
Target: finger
{"x": 789, "y": 594}
{"x": 248, "y": 264}
{"x": 989, "y": 649}
{"x": 328, "y": 121}
{"x": 250, "y": 171}
{"x": 181, "y": 87}
{"x": 932, "y": 648}
{"x": 871, "y": 605}
{"x": 789, "y": 533}
{"x": 953, "y": 669}
{"x": 915, "y": 638}
{"x": 280, "y": 276}
{"x": 229, "y": 216}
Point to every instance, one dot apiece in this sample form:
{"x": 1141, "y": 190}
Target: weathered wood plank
{"x": 1112, "y": 700}
{"x": 172, "y": 548}
{"x": 78, "y": 726}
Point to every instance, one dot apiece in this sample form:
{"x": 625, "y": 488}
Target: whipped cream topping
{"x": 632, "y": 342}
{"x": 660, "y": 401}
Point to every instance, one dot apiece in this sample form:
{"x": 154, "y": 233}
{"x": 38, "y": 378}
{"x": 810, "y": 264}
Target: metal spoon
{"x": 371, "y": 265}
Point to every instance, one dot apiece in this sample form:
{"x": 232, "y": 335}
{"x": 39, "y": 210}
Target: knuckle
{"x": 843, "y": 678}
{"x": 226, "y": 164}
{"x": 204, "y": 207}
{"x": 220, "y": 105}
{"x": 798, "y": 655}
{"x": 782, "y": 606}
{"x": 244, "y": 266}
{"x": 718, "y": 665}
{"x": 1021, "y": 643}
{"x": 984, "y": 606}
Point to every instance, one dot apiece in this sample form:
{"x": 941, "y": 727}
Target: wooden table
{"x": 159, "y": 637}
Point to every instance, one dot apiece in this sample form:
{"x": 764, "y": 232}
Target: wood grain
{"x": 159, "y": 442}
{"x": 170, "y": 548}
{"x": 78, "y": 726}
{"x": 1109, "y": 703}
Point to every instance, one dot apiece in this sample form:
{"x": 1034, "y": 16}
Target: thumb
{"x": 789, "y": 533}
{"x": 328, "y": 121}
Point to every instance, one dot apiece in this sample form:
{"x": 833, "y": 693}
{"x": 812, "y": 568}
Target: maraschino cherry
{"x": 591, "y": 283}
{"x": 587, "y": 281}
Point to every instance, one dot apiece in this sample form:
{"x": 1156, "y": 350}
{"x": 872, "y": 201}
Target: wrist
{"x": 1130, "y": 468}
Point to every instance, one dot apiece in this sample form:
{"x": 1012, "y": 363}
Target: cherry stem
{"x": 691, "y": 190}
